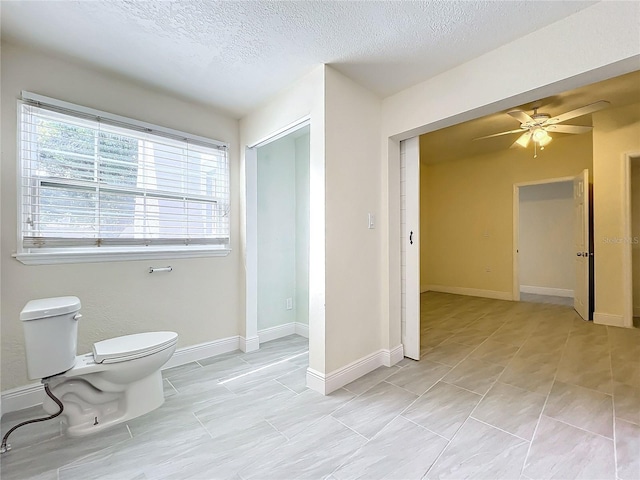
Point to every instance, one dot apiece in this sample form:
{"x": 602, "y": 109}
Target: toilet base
{"x": 88, "y": 410}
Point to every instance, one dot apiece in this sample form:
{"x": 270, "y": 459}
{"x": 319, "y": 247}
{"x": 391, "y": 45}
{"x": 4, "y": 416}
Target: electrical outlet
{"x": 289, "y": 303}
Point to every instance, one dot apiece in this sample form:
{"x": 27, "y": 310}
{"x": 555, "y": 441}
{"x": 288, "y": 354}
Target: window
{"x": 96, "y": 184}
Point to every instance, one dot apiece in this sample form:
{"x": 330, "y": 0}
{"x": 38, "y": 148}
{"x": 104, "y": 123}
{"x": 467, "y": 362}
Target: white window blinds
{"x": 90, "y": 181}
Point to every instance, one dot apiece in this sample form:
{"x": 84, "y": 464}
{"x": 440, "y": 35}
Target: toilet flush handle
{"x": 77, "y": 316}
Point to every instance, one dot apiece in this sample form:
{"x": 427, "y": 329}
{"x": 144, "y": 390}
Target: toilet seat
{"x": 129, "y": 347}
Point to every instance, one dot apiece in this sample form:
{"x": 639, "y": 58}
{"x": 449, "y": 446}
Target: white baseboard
{"x": 279, "y": 331}
{"x": 201, "y": 351}
{"x": 472, "y": 292}
{"x": 393, "y": 356}
{"x": 22, "y": 397}
{"x": 33, "y": 394}
{"x": 250, "y": 344}
{"x": 327, "y": 383}
{"x": 302, "y": 329}
{"x": 556, "y": 292}
{"x": 609, "y": 319}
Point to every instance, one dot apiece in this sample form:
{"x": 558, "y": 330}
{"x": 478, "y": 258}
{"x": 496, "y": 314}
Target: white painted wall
{"x": 304, "y": 99}
{"x": 596, "y": 43}
{"x": 353, "y": 262}
{"x": 546, "y": 252}
{"x": 635, "y": 234}
{"x": 200, "y": 299}
{"x": 283, "y": 230}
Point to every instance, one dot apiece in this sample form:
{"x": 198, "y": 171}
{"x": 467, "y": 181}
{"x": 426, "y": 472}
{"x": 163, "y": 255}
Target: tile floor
{"x": 503, "y": 390}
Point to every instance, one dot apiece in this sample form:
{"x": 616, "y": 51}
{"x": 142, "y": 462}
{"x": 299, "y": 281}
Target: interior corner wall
{"x": 546, "y": 238}
{"x": 616, "y": 132}
{"x": 301, "y": 300}
{"x": 276, "y": 232}
{"x": 469, "y": 220}
{"x": 200, "y": 299}
{"x": 353, "y": 263}
{"x": 635, "y": 234}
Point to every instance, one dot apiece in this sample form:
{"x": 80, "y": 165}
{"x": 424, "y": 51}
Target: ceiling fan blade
{"x": 520, "y": 130}
{"x": 523, "y": 140}
{"x": 578, "y": 112}
{"x": 521, "y": 116}
{"x": 567, "y": 129}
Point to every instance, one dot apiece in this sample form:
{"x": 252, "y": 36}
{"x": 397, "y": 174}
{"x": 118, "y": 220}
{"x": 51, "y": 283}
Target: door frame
{"x": 627, "y": 254}
{"x": 410, "y": 297}
{"x": 251, "y": 340}
{"x": 516, "y": 226}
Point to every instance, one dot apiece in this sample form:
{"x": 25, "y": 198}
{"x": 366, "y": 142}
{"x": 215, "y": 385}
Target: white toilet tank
{"x": 50, "y": 335}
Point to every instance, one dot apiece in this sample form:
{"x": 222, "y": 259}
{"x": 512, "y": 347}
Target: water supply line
{"x": 5, "y": 447}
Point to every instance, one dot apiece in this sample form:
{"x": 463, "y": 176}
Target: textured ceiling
{"x": 235, "y": 55}
{"x": 457, "y": 142}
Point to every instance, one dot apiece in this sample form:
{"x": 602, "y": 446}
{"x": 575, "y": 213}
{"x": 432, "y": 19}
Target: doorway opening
{"x": 278, "y": 217}
{"x": 545, "y": 248}
{"x": 633, "y": 241}
{"x": 553, "y": 242}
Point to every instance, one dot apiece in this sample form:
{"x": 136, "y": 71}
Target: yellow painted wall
{"x": 616, "y": 132}
{"x": 467, "y": 211}
{"x": 424, "y": 227}
{"x": 635, "y": 234}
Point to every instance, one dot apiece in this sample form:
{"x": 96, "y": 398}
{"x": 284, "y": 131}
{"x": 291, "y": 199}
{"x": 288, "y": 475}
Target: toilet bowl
{"x": 119, "y": 380}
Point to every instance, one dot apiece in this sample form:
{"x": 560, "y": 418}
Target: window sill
{"x": 80, "y": 256}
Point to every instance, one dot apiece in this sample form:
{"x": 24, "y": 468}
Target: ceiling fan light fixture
{"x": 540, "y": 135}
{"x": 545, "y": 141}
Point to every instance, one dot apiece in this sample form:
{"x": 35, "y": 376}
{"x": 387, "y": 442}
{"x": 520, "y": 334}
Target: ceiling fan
{"x": 537, "y": 127}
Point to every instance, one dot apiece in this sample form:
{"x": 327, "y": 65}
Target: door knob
{"x": 579, "y": 254}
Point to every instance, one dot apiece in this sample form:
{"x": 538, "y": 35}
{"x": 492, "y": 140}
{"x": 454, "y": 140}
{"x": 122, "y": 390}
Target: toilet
{"x": 119, "y": 380}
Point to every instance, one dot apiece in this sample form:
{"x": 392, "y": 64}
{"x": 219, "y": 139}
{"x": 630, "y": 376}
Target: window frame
{"x": 80, "y": 253}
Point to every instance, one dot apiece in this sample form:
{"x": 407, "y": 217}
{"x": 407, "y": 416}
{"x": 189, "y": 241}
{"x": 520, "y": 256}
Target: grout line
{"x": 290, "y": 389}
{"x": 354, "y": 431}
{"x": 580, "y": 428}
{"x": 423, "y": 427}
{"x": 498, "y": 428}
{"x": 546, "y": 400}
{"x": 172, "y": 386}
{"x": 466, "y": 389}
{"x": 264, "y": 367}
{"x": 128, "y": 430}
{"x": 202, "y": 425}
{"x": 613, "y": 403}
{"x": 275, "y": 428}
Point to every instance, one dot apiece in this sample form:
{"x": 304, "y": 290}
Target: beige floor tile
{"x": 628, "y": 450}
{"x": 418, "y": 377}
{"x": 581, "y": 407}
{"x": 447, "y": 354}
{"x": 481, "y": 451}
{"x": 512, "y": 409}
{"x": 475, "y": 375}
{"x": 443, "y": 409}
{"x": 560, "y": 451}
{"x": 495, "y": 352}
{"x": 627, "y": 402}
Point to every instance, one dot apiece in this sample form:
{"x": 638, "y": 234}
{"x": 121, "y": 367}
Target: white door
{"x": 410, "y": 245}
{"x": 581, "y": 236}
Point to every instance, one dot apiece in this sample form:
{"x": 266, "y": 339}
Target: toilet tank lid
{"x": 49, "y": 307}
